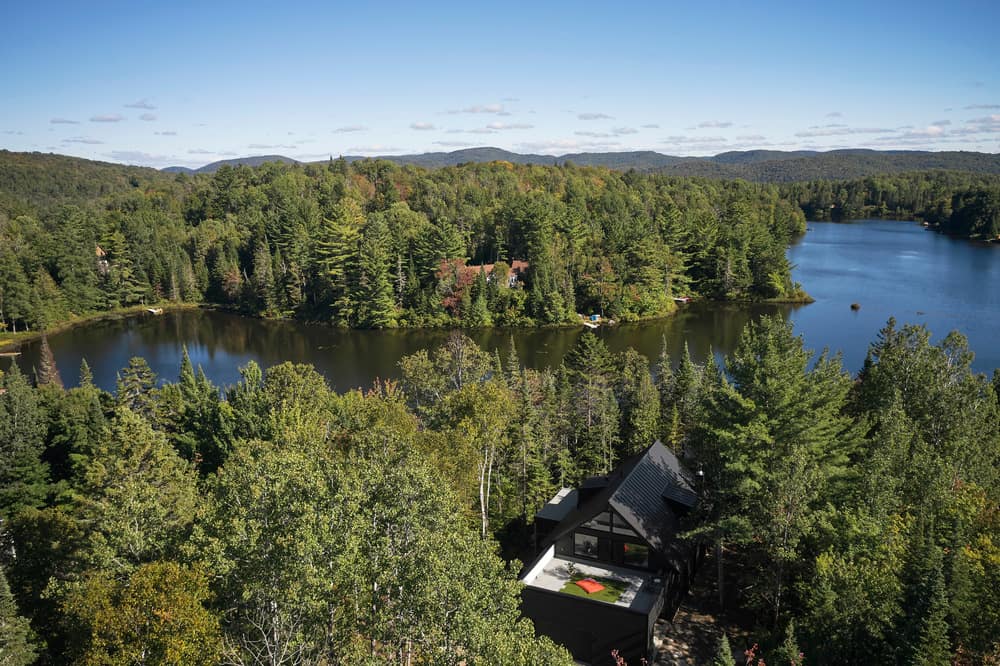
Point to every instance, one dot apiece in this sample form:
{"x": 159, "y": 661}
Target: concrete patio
{"x": 640, "y": 595}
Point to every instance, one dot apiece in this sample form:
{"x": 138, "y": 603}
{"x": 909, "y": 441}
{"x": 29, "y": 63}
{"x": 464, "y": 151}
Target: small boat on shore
{"x": 156, "y": 311}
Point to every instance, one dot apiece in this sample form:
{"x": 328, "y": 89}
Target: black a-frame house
{"x": 620, "y": 530}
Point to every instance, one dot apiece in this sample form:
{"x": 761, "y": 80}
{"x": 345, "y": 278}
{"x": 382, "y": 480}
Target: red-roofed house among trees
{"x": 510, "y": 275}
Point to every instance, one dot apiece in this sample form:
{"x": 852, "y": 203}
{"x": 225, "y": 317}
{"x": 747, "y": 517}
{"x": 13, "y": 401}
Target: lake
{"x": 890, "y": 268}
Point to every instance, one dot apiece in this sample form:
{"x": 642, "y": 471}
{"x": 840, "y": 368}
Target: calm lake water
{"x": 891, "y": 268}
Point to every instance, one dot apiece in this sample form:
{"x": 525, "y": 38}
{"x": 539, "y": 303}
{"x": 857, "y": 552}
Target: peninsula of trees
{"x": 372, "y": 244}
{"x": 375, "y": 245}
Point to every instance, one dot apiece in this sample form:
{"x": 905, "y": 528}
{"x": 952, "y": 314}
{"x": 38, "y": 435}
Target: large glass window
{"x": 601, "y": 521}
{"x": 636, "y": 555}
{"x": 585, "y": 545}
{"x": 621, "y": 527}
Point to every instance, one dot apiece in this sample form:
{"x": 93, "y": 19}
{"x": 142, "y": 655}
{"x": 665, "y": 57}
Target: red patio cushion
{"x": 590, "y": 585}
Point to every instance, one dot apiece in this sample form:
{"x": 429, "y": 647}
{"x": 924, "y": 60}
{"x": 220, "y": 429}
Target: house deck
{"x": 642, "y": 592}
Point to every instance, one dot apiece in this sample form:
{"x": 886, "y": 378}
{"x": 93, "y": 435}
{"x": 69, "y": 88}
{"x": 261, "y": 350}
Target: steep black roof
{"x": 648, "y": 490}
{"x": 642, "y": 496}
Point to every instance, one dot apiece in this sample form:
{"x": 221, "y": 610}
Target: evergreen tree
{"x": 338, "y": 254}
{"x": 23, "y": 474}
{"x": 478, "y": 314}
{"x": 772, "y": 443}
{"x": 376, "y": 301}
{"x": 47, "y": 372}
{"x": 263, "y": 277}
{"x": 933, "y": 646}
{"x": 595, "y": 409}
{"x": 137, "y": 497}
{"x": 17, "y": 640}
{"x": 723, "y": 653}
{"x": 86, "y": 375}
{"x": 640, "y": 405}
{"x": 136, "y": 387}
{"x": 15, "y": 292}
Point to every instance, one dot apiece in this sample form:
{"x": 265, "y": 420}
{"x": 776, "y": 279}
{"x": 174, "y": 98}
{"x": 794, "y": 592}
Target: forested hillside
{"x": 856, "y": 518}
{"x": 375, "y": 245}
{"x": 765, "y": 166}
{"x": 963, "y": 204}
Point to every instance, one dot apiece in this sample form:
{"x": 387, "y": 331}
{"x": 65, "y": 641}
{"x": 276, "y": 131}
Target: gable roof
{"x": 641, "y": 490}
{"x": 641, "y": 497}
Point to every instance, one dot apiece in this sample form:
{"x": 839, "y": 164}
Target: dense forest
{"x": 961, "y": 204}
{"x": 374, "y": 245}
{"x": 761, "y": 166}
{"x": 371, "y": 244}
{"x": 277, "y": 522}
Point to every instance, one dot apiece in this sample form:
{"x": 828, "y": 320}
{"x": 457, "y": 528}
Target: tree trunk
{"x": 721, "y": 581}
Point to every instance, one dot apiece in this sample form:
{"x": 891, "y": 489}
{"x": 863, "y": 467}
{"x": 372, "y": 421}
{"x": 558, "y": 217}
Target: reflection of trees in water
{"x": 222, "y": 341}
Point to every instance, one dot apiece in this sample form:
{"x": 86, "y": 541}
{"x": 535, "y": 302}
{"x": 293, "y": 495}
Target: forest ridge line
{"x": 754, "y": 165}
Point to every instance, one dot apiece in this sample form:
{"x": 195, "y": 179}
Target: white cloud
{"x": 714, "y": 124}
{"x": 166, "y": 133}
{"x": 422, "y": 126}
{"x": 373, "y": 149}
{"x": 139, "y": 157}
{"x": 508, "y": 126}
{"x": 107, "y": 118}
{"x": 842, "y": 131}
{"x": 140, "y": 104}
{"x": 350, "y": 128}
{"x": 83, "y": 139}
{"x": 594, "y": 135}
{"x": 481, "y": 108}
{"x": 982, "y": 106}
{"x": 752, "y": 137}
{"x": 454, "y": 144}
{"x": 559, "y": 146}
{"x": 201, "y": 151}
{"x": 650, "y": 126}
{"x": 621, "y": 131}
{"x": 835, "y": 114}
{"x": 270, "y": 146}
{"x": 148, "y": 117}
{"x": 64, "y": 121}
{"x": 594, "y": 116}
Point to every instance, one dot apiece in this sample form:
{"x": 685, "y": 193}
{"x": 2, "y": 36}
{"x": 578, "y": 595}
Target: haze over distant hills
{"x": 754, "y": 165}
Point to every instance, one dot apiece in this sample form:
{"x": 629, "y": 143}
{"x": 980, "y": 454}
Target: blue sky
{"x": 189, "y": 83}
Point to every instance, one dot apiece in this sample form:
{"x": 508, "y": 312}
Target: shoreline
{"x": 8, "y": 341}
{"x": 11, "y": 341}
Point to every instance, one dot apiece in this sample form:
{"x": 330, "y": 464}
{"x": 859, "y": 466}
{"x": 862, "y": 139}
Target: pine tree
{"x": 17, "y": 646}
{"x": 86, "y": 375}
{"x": 263, "y": 277}
{"x": 47, "y": 372}
{"x": 640, "y": 404}
{"x": 478, "y": 315}
{"x": 136, "y": 386}
{"x": 338, "y": 255}
{"x": 23, "y": 474}
{"x": 595, "y": 409}
{"x": 376, "y": 304}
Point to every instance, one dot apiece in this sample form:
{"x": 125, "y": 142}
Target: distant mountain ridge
{"x": 753, "y": 165}
{"x": 252, "y": 161}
